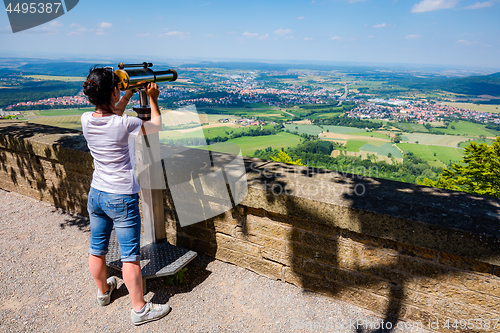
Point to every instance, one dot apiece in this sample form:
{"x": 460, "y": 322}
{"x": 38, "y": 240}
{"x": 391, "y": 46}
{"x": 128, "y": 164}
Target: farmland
{"x": 56, "y": 78}
{"x": 476, "y": 107}
{"x": 249, "y": 145}
{"x": 435, "y": 155}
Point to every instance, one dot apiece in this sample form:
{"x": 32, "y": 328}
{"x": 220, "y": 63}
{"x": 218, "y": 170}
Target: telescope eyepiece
{"x": 143, "y": 65}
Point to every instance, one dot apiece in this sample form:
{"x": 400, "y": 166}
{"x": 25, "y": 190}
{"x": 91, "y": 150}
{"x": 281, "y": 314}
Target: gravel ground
{"x": 46, "y": 287}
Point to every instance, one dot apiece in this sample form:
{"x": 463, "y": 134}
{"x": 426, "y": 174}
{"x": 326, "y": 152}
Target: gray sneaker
{"x": 151, "y": 312}
{"x": 106, "y": 298}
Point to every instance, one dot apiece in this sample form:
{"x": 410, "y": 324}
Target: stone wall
{"x": 405, "y": 252}
{"x": 48, "y": 163}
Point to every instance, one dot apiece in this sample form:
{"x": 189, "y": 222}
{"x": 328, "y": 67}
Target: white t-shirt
{"x": 111, "y": 142}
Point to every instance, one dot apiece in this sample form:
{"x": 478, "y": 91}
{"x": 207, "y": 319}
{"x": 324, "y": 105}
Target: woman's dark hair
{"x": 99, "y": 86}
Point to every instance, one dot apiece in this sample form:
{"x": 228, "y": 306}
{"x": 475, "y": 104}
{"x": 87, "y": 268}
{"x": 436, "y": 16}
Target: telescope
{"x": 137, "y": 77}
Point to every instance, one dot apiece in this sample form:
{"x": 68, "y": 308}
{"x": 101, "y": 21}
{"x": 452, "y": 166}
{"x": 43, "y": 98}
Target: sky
{"x": 463, "y": 33}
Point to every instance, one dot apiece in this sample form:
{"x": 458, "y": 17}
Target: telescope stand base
{"x": 160, "y": 259}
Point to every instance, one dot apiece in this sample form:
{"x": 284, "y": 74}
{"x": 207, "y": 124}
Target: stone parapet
{"x": 405, "y": 252}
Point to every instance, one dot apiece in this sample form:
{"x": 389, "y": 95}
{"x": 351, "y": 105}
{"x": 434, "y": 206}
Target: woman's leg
{"x": 124, "y": 210}
{"x": 100, "y": 229}
{"x": 99, "y": 271}
{"x": 132, "y": 276}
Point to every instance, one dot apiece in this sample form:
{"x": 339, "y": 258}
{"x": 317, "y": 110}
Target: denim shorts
{"x": 121, "y": 211}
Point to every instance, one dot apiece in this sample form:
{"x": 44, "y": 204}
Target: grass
{"x": 433, "y": 139}
{"x": 411, "y": 127}
{"x": 249, "y": 144}
{"x": 475, "y": 107}
{"x": 56, "y": 112}
{"x": 325, "y": 115}
{"x": 426, "y": 152}
{"x": 372, "y": 134}
{"x": 464, "y": 144}
{"x": 56, "y": 78}
{"x": 382, "y": 150}
{"x": 342, "y": 129}
{"x": 301, "y": 129}
{"x": 466, "y": 128}
{"x": 354, "y": 145}
{"x": 72, "y": 122}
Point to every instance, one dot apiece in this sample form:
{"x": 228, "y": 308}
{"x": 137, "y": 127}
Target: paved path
{"x": 46, "y": 287}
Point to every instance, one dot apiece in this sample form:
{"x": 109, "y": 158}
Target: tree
{"x": 478, "y": 172}
{"x": 285, "y": 158}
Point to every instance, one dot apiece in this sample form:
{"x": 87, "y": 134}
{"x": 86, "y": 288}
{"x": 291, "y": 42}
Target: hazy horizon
{"x": 447, "y": 33}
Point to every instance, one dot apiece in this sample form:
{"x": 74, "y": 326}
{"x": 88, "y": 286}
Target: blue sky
{"x": 440, "y": 32}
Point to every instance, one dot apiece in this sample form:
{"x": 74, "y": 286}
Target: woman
{"x": 113, "y": 198}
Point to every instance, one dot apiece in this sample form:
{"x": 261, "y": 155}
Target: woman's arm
{"x": 153, "y": 125}
{"x": 122, "y": 104}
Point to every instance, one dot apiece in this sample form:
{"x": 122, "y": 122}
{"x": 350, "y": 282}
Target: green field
{"x": 342, "y": 129}
{"x": 56, "y": 112}
{"x": 56, "y": 78}
{"x": 261, "y": 110}
{"x": 411, "y": 127}
{"x": 72, "y": 122}
{"x": 354, "y": 145}
{"x": 372, "y": 134}
{"x": 466, "y": 128}
{"x": 382, "y": 150}
{"x": 304, "y": 129}
{"x": 426, "y": 152}
{"x": 464, "y": 144}
{"x": 249, "y": 144}
{"x": 325, "y": 115}
{"x": 476, "y": 107}
{"x": 433, "y": 139}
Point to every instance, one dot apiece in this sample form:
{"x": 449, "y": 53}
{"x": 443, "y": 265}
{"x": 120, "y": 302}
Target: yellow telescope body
{"x": 137, "y": 76}
{"x": 134, "y": 76}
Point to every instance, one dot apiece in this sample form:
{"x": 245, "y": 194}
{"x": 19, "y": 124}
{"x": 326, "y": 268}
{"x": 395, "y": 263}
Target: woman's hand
{"x": 152, "y": 91}
{"x": 128, "y": 94}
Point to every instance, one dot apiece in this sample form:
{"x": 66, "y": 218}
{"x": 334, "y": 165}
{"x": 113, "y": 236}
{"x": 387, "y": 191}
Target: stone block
{"x": 264, "y": 226}
{"x": 484, "y": 283}
{"x": 256, "y": 264}
{"x": 464, "y": 263}
{"x": 264, "y": 241}
{"x": 194, "y": 231}
{"x": 277, "y": 256}
{"x": 237, "y": 244}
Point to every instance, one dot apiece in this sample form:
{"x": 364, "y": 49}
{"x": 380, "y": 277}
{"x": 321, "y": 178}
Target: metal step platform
{"x": 157, "y": 259}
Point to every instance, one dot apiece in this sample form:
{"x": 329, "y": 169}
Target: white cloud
{"x": 300, "y": 18}
{"x": 381, "y": 25}
{"x": 104, "y": 25}
{"x": 180, "y": 34}
{"x": 370, "y": 36}
{"x": 264, "y": 36}
{"x": 230, "y": 32}
{"x": 342, "y": 39}
{"x": 479, "y": 5}
{"x": 412, "y": 37}
{"x": 55, "y": 24}
{"x": 308, "y": 38}
{"x": 464, "y": 42}
{"x": 283, "y": 32}
{"x": 250, "y": 34}
{"x": 430, "y": 5}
